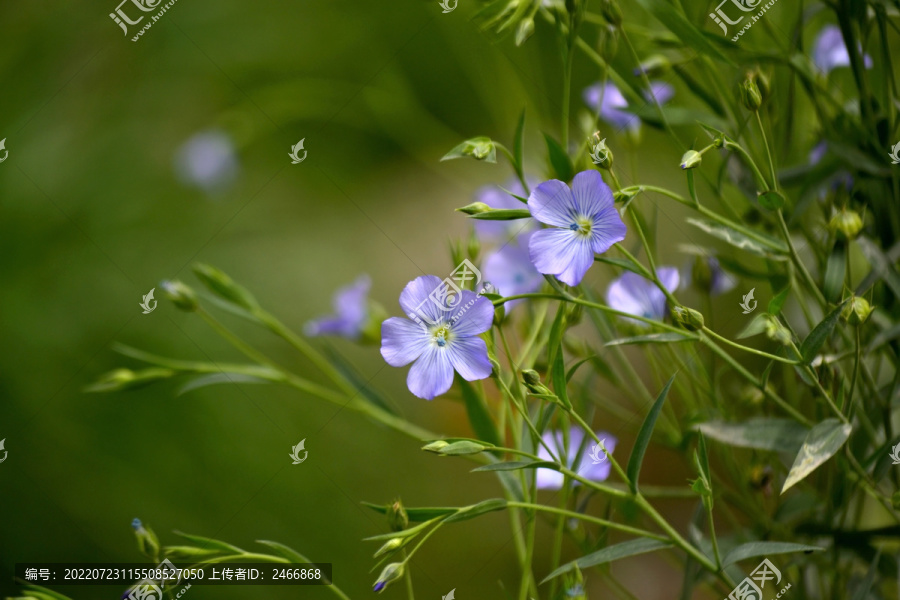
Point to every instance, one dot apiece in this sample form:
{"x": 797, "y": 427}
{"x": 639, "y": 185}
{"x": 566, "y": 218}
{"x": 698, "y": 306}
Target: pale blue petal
{"x": 552, "y": 203}
{"x": 431, "y": 375}
{"x": 469, "y": 357}
{"x": 402, "y": 341}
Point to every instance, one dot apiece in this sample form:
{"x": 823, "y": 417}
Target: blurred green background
{"x": 94, "y": 215}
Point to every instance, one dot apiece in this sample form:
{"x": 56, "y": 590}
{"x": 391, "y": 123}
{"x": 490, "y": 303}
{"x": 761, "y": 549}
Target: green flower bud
{"x": 601, "y": 155}
{"x": 148, "y": 543}
{"x": 475, "y": 208}
{"x": 762, "y": 82}
{"x": 611, "y": 12}
{"x": 390, "y": 546}
{"x": 435, "y": 446}
{"x": 479, "y": 148}
{"x": 856, "y": 311}
{"x": 847, "y": 222}
{"x": 531, "y": 377}
{"x": 181, "y": 295}
{"x": 608, "y": 42}
{"x": 776, "y": 331}
{"x": 573, "y": 313}
{"x": 690, "y": 319}
{"x": 390, "y": 574}
{"x": 397, "y": 517}
{"x": 524, "y": 30}
{"x": 691, "y": 159}
{"x": 224, "y": 286}
{"x": 751, "y": 97}
{"x": 126, "y": 379}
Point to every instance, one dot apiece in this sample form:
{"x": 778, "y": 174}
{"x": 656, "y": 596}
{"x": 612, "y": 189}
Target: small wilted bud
{"x": 608, "y": 42}
{"x": 750, "y": 94}
{"x": 475, "y": 208}
{"x": 148, "y": 543}
{"x": 611, "y": 12}
{"x": 691, "y": 159}
{"x": 126, "y": 379}
{"x": 601, "y": 155}
{"x": 182, "y": 296}
{"x": 690, "y": 319}
{"x": 654, "y": 66}
{"x": 856, "y": 311}
{"x": 389, "y": 546}
{"x": 222, "y": 285}
{"x": 524, "y": 30}
{"x": 398, "y": 520}
{"x": 847, "y": 222}
{"x": 390, "y": 574}
{"x": 776, "y": 331}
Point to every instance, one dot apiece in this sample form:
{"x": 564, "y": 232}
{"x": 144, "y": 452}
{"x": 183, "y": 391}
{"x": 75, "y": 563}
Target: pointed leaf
{"x": 476, "y": 510}
{"x": 754, "y": 549}
{"x": 761, "y": 433}
{"x": 515, "y": 465}
{"x": 817, "y": 337}
{"x": 609, "y": 554}
{"x": 820, "y": 444}
{"x": 777, "y": 302}
{"x": 667, "y": 337}
{"x": 217, "y": 379}
{"x": 559, "y": 160}
{"x": 416, "y": 515}
{"x": 519, "y": 143}
{"x": 479, "y": 415}
{"x": 676, "y": 22}
{"x": 741, "y": 241}
{"x": 643, "y": 438}
{"x": 285, "y": 552}
{"x": 209, "y": 543}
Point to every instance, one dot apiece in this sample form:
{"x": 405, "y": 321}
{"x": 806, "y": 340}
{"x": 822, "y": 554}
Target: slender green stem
{"x": 762, "y": 132}
{"x": 724, "y": 340}
{"x": 795, "y": 257}
{"x": 589, "y": 519}
{"x": 407, "y": 575}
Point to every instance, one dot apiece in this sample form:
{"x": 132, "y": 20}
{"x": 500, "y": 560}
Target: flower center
{"x": 440, "y": 335}
{"x": 582, "y": 226}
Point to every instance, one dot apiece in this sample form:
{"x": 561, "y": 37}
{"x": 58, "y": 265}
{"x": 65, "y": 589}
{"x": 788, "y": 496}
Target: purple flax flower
{"x": 593, "y": 464}
{"x": 585, "y": 222}
{"x": 607, "y": 100}
{"x": 830, "y": 51}
{"x": 495, "y": 197}
{"x": 510, "y": 270}
{"x": 350, "y": 312}
{"x": 633, "y": 294}
{"x": 208, "y": 161}
{"x": 442, "y": 336}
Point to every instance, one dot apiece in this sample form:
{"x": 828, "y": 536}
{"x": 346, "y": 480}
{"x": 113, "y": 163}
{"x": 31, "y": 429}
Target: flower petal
{"x": 669, "y": 277}
{"x": 469, "y": 357}
{"x": 552, "y": 203}
{"x": 473, "y": 315}
{"x": 608, "y": 228}
{"x": 431, "y": 375}
{"x": 415, "y": 299}
{"x": 561, "y": 252}
{"x": 402, "y": 341}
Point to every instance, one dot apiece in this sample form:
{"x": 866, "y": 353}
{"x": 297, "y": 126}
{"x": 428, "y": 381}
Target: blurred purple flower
{"x": 350, "y": 312}
{"x": 495, "y": 197}
{"x": 548, "y": 479}
{"x": 448, "y": 341}
{"x": 585, "y": 222}
{"x": 635, "y": 295}
{"x": 830, "y": 51}
{"x": 510, "y": 270}
{"x": 607, "y": 100}
{"x": 720, "y": 281}
{"x": 207, "y": 160}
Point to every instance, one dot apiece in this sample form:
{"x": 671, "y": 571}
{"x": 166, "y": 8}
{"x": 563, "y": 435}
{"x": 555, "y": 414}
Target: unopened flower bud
{"x": 608, "y": 42}
{"x": 222, "y": 285}
{"x": 776, "y": 331}
{"x": 148, "y": 543}
{"x": 762, "y": 82}
{"x": 611, "y": 12}
{"x": 389, "y": 546}
{"x": 389, "y": 574}
{"x": 397, "y": 517}
{"x": 601, "y": 155}
{"x": 847, "y": 222}
{"x": 691, "y": 159}
{"x": 181, "y": 295}
{"x": 474, "y": 248}
{"x": 126, "y": 379}
{"x": 750, "y": 94}
{"x": 690, "y": 319}
{"x": 856, "y": 311}
{"x": 524, "y": 30}
{"x": 474, "y": 209}
{"x": 435, "y": 446}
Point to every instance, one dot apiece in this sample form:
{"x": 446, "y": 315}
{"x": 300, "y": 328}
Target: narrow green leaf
{"x": 519, "y": 143}
{"x": 835, "y": 270}
{"x": 609, "y": 554}
{"x": 217, "y": 379}
{"x": 556, "y": 333}
{"x": 777, "y": 302}
{"x": 760, "y": 433}
{"x": 206, "y": 543}
{"x": 773, "y": 251}
{"x": 820, "y": 444}
{"x": 621, "y": 263}
{"x": 756, "y": 326}
{"x": 643, "y": 439}
{"x": 755, "y": 549}
{"x": 479, "y": 415}
{"x": 817, "y": 337}
{"x": 651, "y": 338}
{"x": 362, "y": 385}
{"x": 559, "y": 160}
{"x": 516, "y": 465}
{"x": 285, "y": 551}
{"x": 476, "y": 510}
{"x": 558, "y": 375}
{"x": 676, "y": 22}
{"x": 416, "y": 515}
{"x": 503, "y": 214}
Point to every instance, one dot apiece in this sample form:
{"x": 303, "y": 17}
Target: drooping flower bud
{"x": 389, "y": 574}
{"x": 389, "y": 546}
{"x": 524, "y": 30}
{"x": 181, "y": 295}
{"x": 856, "y": 311}
{"x": 148, "y": 543}
{"x": 691, "y": 159}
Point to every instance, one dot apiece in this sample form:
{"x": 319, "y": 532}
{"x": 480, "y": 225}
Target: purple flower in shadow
{"x": 510, "y": 270}
{"x": 830, "y": 51}
{"x": 584, "y": 222}
{"x": 608, "y": 101}
{"x": 594, "y": 469}
{"x": 635, "y": 295}
{"x": 495, "y": 197}
{"x": 440, "y": 338}
{"x": 350, "y": 312}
